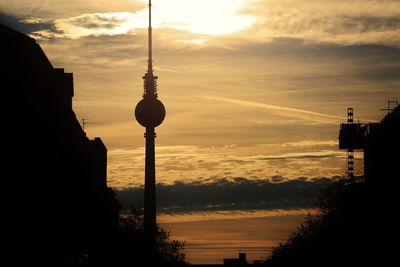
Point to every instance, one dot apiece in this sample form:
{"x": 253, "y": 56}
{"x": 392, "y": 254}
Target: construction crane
{"x": 350, "y": 151}
{"x": 351, "y": 137}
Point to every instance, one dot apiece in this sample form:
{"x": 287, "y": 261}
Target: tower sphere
{"x": 150, "y": 112}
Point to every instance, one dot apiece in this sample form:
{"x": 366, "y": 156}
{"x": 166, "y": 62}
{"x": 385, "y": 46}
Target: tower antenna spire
{"x": 150, "y": 43}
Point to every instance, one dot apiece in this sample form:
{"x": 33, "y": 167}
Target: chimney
{"x": 242, "y": 257}
{"x": 66, "y": 82}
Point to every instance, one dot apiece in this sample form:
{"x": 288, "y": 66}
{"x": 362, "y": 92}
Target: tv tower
{"x": 150, "y": 113}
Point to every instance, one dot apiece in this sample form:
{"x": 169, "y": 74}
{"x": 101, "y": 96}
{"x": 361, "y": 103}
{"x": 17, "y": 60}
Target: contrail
{"x": 285, "y": 111}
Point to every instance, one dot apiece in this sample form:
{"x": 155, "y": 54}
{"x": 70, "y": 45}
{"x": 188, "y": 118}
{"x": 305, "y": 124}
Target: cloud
{"x": 208, "y": 17}
{"x": 56, "y": 9}
{"x": 230, "y": 194}
{"x": 211, "y": 239}
{"x": 311, "y": 143}
{"x": 32, "y": 26}
{"x": 287, "y": 111}
{"x": 97, "y": 24}
{"x": 338, "y": 21}
{"x": 284, "y": 111}
{"x": 301, "y": 155}
{"x": 323, "y": 78}
{"x": 220, "y": 215}
{"x": 384, "y": 73}
{"x": 187, "y": 16}
{"x": 205, "y": 164}
{"x": 98, "y": 21}
{"x": 88, "y": 24}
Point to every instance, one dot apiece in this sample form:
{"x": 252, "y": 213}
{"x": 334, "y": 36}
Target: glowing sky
{"x": 253, "y": 88}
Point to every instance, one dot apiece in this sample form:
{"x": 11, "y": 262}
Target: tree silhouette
{"x": 348, "y": 229}
{"x": 169, "y": 252}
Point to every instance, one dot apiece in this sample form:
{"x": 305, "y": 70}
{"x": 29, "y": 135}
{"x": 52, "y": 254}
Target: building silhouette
{"x": 379, "y": 141}
{"x": 150, "y": 113}
{"x": 354, "y": 215}
{"x": 382, "y": 148}
{"x": 58, "y": 209}
{"x": 241, "y": 261}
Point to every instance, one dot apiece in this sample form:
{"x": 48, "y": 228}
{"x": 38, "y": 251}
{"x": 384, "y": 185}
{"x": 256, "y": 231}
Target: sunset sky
{"x": 255, "y": 91}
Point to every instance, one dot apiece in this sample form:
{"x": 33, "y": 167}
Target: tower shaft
{"x": 150, "y": 190}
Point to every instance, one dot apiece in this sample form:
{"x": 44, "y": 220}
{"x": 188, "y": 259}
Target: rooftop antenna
{"x": 84, "y": 123}
{"x": 391, "y": 105}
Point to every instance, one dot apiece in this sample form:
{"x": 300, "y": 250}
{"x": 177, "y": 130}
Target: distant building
{"x": 241, "y": 261}
{"x": 58, "y": 209}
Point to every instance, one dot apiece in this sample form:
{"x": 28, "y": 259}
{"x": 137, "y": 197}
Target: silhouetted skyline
{"x": 255, "y": 92}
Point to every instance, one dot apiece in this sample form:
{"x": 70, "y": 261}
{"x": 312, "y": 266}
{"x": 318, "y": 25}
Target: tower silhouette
{"x": 150, "y": 113}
